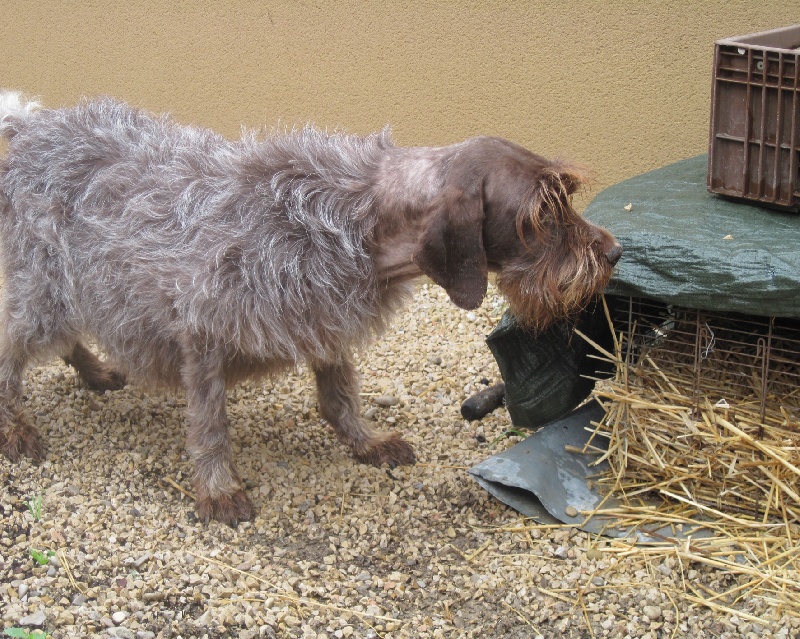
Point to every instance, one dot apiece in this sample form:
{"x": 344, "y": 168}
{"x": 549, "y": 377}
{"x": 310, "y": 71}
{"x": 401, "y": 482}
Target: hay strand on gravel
{"x": 62, "y": 558}
{"x": 280, "y": 593}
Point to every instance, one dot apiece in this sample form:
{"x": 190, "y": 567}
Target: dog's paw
{"x": 110, "y": 380}
{"x": 391, "y": 449}
{"x": 227, "y": 509}
{"x": 22, "y": 441}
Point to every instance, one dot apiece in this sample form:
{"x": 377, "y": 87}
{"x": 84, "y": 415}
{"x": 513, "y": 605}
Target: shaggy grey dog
{"x": 195, "y": 261}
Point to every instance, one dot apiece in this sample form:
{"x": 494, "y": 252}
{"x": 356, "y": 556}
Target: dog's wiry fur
{"x": 195, "y": 261}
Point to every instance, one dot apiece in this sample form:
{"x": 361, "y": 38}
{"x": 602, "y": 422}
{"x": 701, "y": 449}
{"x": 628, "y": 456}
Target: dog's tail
{"x": 14, "y": 110}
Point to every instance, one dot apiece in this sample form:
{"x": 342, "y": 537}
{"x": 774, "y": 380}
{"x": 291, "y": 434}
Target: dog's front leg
{"x": 218, "y": 487}
{"x": 338, "y": 388}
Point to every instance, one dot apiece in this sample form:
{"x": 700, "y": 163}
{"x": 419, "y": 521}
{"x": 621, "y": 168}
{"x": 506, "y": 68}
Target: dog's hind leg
{"x": 218, "y": 486}
{"x": 32, "y": 326}
{"x": 338, "y": 387}
{"x": 98, "y": 375}
{"x": 18, "y": 437}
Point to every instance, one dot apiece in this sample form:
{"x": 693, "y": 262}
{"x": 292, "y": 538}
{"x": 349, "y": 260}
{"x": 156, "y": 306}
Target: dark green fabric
{"x": 676, "y": 251}
{"x": 547, "y": 375}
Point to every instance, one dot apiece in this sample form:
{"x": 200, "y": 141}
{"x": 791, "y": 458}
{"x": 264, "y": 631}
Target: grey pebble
{"x": 386, "y": 400}
{"x": 152, "y": 596}
{"x": 653, "y": 613}
{"x": 142, "y": 560}
{"x": 370, "y": 413}
{"x": 36, "y": 620}
{"x": 119, "y": 616}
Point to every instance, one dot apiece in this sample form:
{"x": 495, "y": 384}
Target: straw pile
{"x": 696, "y": 452}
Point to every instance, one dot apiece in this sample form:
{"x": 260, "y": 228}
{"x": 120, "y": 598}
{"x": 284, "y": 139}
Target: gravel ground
{"x": 337, "y": 549}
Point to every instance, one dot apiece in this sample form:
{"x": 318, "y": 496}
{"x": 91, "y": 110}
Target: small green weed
{"x": 35, "y": 507}
{"x": 24, "y": 634}
{"x": 41, "y": 557}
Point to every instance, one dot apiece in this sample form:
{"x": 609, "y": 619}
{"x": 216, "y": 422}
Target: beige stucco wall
{"x": 620, "y": 87}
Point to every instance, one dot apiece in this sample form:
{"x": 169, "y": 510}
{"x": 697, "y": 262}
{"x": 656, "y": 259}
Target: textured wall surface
{"x": 619, "y": 87}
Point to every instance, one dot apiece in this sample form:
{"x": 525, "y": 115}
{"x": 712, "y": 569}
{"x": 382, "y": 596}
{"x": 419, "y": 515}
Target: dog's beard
{"x": 555, "y": 285}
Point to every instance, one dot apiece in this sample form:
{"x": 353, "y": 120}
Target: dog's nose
{"x": 613, "y": 254}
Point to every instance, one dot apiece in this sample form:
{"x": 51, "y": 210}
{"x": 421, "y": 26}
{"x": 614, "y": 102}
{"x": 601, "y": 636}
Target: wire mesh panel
{"x": 743, "y": 359}
{"x": 705, "y": 410}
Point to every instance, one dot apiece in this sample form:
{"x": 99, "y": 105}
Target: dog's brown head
{"x": 506, "y": 210}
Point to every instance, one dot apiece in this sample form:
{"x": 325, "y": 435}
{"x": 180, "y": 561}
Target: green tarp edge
{"x": 688, "y": 247}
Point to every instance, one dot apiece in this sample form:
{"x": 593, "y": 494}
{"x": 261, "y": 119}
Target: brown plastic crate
{"x": 754, "y": 141}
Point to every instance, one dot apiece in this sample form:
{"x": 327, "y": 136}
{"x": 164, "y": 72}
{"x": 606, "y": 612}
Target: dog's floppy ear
{"x": 450, "y": 249}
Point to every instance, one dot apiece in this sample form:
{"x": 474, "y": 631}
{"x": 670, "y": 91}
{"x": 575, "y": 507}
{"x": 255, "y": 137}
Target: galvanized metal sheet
{"x": 542, "y": 479}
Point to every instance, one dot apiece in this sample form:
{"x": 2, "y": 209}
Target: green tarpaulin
{"x": 691, "y": 248}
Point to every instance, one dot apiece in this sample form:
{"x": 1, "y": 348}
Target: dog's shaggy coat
{"x": 195, "y": 261}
